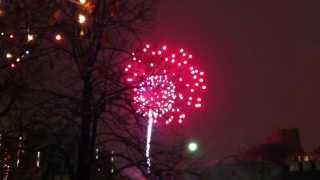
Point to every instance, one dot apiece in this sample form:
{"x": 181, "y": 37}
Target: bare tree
{"x": 66, "y": 58}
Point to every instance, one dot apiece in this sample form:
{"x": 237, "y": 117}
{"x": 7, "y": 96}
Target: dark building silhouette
{"x": 279, "y": 157}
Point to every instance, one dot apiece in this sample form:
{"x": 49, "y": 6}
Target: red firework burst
{"x": 166, "y": 83}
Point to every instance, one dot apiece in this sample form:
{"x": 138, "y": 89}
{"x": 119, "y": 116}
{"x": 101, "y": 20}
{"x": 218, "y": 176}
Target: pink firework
{"x": 166, "y": 86}
{"x": 166, "y": 83}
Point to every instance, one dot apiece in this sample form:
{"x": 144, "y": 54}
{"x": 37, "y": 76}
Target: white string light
{"x": 38, "y": 159}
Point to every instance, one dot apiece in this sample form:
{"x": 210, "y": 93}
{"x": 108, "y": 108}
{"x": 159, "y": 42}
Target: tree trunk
{"x": 84, "y": 156}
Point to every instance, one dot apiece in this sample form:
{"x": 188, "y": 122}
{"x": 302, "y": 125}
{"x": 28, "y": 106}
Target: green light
{"x": 192, "y": 146}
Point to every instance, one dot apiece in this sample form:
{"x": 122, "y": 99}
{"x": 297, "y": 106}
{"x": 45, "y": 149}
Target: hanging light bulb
{"x": 82, "y": 18}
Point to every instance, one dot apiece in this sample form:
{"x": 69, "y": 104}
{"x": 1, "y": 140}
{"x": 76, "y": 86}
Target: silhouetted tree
{"x": 64, "y": 59}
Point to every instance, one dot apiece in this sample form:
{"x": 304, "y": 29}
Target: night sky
{"x": 262, "y": 59}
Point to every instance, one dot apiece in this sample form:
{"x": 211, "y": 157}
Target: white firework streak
{"x": 151, "y": 116}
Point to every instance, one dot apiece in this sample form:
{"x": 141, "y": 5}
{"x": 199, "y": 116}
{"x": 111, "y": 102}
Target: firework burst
{"x": 167, "y": 85}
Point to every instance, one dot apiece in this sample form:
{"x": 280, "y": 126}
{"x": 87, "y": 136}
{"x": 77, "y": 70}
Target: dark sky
{"x": 262, "y": 59}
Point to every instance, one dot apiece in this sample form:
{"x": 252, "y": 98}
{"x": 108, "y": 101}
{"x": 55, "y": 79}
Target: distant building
{"x": 280, "y": 157}
{"x": 280, "y": 146}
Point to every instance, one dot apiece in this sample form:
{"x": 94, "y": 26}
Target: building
{"x": 279, "y": 157}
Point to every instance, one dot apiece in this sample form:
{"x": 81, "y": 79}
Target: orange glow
{"x": 2, "y": 12}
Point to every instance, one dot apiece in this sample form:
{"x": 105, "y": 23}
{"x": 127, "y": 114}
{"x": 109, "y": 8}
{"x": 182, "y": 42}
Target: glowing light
{"x": 192, "y": 146}
{"x": 83, "y": 1}
{"x": 30, "y": 37}
{"x": 38, "y": 159}
{"x": 9, "y": 55}
{"x": 82, "y": 18}
{"x": 82, "y": 33}
{"x": 12, "y": 65}
{"x": 18, "y": 60}
{"x": 11, "y": 36}
{"x": 58, "y": 37}
{"x": 2, "y": 12}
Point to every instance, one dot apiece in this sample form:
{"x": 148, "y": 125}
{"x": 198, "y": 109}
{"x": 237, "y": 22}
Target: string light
{"x": 9, "y": 55}
{"x": 38, "y": 159}
{"x": 82, "y": 18}
{"x": 30, "y": 37}
{"x": 82, "y": 32}
{"x": 112, "y": 161}
{"x": 83, "y": 2}
{"x": 58, "y": 37}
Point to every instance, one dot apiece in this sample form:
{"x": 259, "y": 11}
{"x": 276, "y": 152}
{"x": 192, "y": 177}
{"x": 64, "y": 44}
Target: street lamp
{"x": 192, "y": 147}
